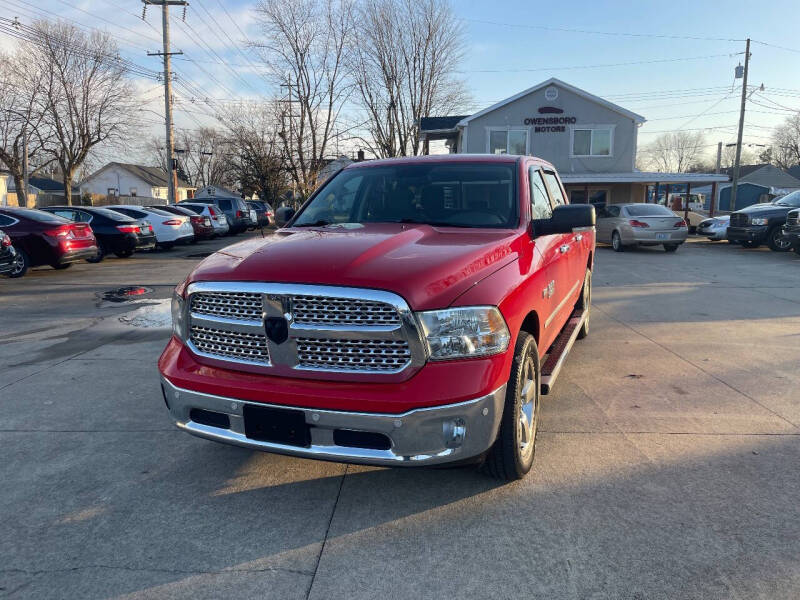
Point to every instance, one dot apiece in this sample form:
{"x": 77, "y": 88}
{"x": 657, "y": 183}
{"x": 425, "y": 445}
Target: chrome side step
{"x": 560, "y": 349}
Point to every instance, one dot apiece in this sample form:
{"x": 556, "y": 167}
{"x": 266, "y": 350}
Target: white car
{"x": 169, "y": 229}
{"x": 218, "y": 219}
{"x": 715, "y": 228}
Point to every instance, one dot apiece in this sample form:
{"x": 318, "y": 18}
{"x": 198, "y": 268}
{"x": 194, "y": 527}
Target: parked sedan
{"x": 264, "y": 212}
{"x": 236, "y": 212}
{"x": 41, "y": 238}
{"x": 203, "y": 230}
{"x": 116, "y": 233}
{"x": 8, "y": 256}
{"x": 218, "y": 220}
{"x": 715, "y": 228}
{"x": 623, "y": 225}
{"x": 169, "y": 229}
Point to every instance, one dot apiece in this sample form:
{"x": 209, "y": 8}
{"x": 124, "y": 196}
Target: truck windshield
{"x": 449, "y": 195}
{"x": 792, "y": 199}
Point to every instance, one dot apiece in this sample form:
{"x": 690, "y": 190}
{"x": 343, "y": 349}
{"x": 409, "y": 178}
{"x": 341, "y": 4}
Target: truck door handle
{"x": 579, "y": 237}
{"x": 563, "y": 248}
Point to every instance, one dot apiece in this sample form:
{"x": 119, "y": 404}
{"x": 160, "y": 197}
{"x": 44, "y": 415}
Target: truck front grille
{"x": 231, "y": 344}
{"x": 230, "y": 305}
{"x": 792, "y": 219}
{"x": 353, "y": 355}
{"x": 739, "y": 220}
{"x": 343, "y": 332}
{"x": 342, "y": 311}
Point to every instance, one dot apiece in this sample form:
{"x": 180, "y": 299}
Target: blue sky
{"x": 687, "y": 83}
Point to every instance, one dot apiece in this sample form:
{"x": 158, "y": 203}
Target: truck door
{"x": 573, "y": 263}
{"x": 549, "y": 282}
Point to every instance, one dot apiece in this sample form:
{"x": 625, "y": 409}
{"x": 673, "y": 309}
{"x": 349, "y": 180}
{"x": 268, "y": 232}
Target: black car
{"x": 791, "y": 231}
{"x": 116, "y": 233}
{"x": 7, "y": 256}
{"x": 763, "y": 223}
{"x": 264, "y": 212}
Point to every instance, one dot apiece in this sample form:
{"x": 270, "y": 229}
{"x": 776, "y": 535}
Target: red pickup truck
{"x": 410, "y": 313}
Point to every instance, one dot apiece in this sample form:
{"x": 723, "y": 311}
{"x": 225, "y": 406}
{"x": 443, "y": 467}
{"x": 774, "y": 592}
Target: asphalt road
{"x": 666, "y": 464}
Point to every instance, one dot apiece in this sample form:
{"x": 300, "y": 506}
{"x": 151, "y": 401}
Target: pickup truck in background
{"x": 763, "y": 223}
{"x": 410, "y": 313}
{"x": 791, "y": 231}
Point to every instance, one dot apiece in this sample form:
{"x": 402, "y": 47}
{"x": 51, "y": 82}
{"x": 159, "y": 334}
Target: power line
{"x": 596, "y": 66}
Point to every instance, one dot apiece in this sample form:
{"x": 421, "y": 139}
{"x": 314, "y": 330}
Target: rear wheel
{"x": 585, "y": 303}
{"x": 776, "y": 241}
{"x": 21, "y": 264}
{"x": 511, "y": 456}
{"x": 670, "y": 247}
{"x": 616, "y": 242}
{"x": 101, "y": 254}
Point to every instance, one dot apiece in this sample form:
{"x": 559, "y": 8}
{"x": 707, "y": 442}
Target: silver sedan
{"x": 624, "y": 225}
{"x": 715, "y": 228}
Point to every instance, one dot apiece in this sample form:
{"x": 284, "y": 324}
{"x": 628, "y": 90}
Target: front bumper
{"x": 793, "y": 235}
{"x": 71, "y": 256}
{"x": 753, "y": 233}
{"x": 423, "y": 436}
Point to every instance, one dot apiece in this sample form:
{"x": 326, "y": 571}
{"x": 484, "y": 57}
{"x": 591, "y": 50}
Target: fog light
{"x": 454, "y": 432}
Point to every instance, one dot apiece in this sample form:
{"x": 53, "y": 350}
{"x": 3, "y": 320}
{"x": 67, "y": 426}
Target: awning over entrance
{"x": 643, "y": 177}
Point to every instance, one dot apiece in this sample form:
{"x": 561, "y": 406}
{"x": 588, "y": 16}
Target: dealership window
{"x": 596, "y": 197}
{"x": 508, "y": 141}
{"x": 592, "y": 141}
{"x": 133, "y": 191}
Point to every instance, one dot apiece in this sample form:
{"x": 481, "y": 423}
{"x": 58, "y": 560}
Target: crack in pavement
{"x": 327, "y": 531}
{"x": 37, "y": 572}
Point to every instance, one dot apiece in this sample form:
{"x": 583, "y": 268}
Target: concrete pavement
{"x": 666, "y": 462}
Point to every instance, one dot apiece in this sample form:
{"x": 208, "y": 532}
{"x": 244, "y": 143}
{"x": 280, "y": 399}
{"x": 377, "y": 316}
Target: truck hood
{"x": 428, "y": 266}
{"x": 764, "y": 210}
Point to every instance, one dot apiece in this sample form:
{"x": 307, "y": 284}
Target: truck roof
{"x": 448, "y": 158}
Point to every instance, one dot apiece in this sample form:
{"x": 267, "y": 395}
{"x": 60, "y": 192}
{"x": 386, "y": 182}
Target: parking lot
{"x": 666, "y": 463}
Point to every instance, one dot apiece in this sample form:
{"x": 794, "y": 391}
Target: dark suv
{"x": 763, "y": 223}
{"x": 236, "y": 211}
{"x": 791, "y": 231}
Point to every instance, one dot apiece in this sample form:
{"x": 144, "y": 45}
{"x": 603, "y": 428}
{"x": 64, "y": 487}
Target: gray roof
{"x": 155, "y": 176}
{"x": 766, "y": 175}
{"x": 794, "y": 171}
{"x": 641, "y": 177}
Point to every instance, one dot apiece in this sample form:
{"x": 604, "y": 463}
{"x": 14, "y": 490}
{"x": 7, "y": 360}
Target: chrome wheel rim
{"x": 615, "y": 241}
{"x": 19, "y": 264}
{"x": 528, "y": 398}
{"x": 781, "y": 242}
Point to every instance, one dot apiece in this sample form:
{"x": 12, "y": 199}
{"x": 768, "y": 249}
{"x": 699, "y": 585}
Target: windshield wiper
{"x": 319, "y": 223}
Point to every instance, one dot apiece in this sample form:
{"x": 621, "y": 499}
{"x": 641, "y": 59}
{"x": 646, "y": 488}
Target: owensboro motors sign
{"x": 555, "y": 124}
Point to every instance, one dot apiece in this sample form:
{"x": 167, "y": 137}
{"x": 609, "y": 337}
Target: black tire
{"x": 21, "y": 264}
{"x": 749, "y": 244}
{"x": 124, "y": 254}
{"x": 616, "y": 242}
{"x": 776, "y": 241}
{"x": 585, "y": 303}
{"x": 511, "y": 456}
{"x": 797, "y": 250}
{"x": 58, "y": 267}
{"x": 670, "y": 247}
{"x": 101, "y": 254}
{"x": 167, "y": 245}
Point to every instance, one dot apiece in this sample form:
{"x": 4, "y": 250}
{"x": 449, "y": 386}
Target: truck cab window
{"x": 540, "y": 204}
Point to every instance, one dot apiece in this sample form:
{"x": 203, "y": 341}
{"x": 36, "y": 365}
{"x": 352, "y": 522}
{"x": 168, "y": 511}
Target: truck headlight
{"x": 759, "y": 221}
{"x": 179, "y": 316}
{"x": 464, "y": 332}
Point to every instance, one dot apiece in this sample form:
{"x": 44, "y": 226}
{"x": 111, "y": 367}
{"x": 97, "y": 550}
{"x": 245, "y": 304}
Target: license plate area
{"x": 277, "y": 425}
{"x": 662, "y": 236}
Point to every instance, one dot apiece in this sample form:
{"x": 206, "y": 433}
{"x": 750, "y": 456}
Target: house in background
{"x": 216, "y": 191}
{"x": 43, "y": 190}
{"x": 757, "y": 183}
{"x": 5, "y": 177}
{"x": 128, "y": 180}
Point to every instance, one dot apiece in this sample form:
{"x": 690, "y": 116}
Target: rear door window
{"x": 64, "y": 213}
{"x": 555, "y": 188}
{"x": 540, "y": 203}
{"x": 613, "y": 211}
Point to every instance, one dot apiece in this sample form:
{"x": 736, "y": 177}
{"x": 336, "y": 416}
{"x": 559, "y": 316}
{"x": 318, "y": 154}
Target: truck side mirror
{"x": 565, "y": 218}
{"x": 283, "y": 215}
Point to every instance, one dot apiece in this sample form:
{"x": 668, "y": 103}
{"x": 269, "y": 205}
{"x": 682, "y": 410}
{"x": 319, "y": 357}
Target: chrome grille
{"x": 232, "y": 344}
{"x": 324, "y": 310}
{"x": 792, "y": 219}
{"x": 353, "y": 355}
{"x": 739, "y": 220}
{"x": 230, "y": 305}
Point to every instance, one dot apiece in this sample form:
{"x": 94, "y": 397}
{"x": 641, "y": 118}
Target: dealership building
{"x": 591, "y": 141}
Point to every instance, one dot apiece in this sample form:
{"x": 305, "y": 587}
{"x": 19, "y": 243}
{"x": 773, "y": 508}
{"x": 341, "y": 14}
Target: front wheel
{"x": 670, "y": 247}
{"x": 511, "y": 456}
{"x": 616, "y": 242}
{"x": 776, "y": 241}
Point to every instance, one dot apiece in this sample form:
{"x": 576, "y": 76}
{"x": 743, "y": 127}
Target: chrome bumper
{"x": 424, "y": 436}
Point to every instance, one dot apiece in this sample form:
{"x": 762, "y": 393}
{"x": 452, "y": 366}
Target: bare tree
{"x": 86, "y": 98}
{"x": 305, "y": 48}
{"x": 675, "y": 152}
{"x": 256, "y": 149}
{"x": 404, "y": 63}
{"x": 786, "y": 143}
{"x": 20, "y": 118}
{"x": 205, "y": 155}
{"x": 747, "y": 156}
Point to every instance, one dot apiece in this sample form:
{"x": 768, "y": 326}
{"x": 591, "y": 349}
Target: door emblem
{"x": 549, "y": 290}
{"x": 277, "y": 329}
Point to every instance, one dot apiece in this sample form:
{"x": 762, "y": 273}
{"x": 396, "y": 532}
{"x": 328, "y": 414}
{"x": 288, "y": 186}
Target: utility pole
{"x": 719, "y": 158}
{"x": 24, "y": 168}
{"x": 172, "y": 162}
{"x": 736, "y": 165}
